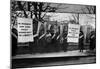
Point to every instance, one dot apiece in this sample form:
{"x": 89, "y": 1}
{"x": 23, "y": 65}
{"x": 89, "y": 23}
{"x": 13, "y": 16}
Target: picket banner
{"x": 25, "y": 30}
{"x": 73, "y": 33}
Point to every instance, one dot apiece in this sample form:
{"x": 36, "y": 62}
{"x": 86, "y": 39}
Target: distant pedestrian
{"x": 81, "y": 41}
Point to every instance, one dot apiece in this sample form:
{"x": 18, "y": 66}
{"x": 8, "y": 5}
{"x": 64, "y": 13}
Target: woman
{"x": 92, "y": 40}
{"x": 48, "y": 39}
{"x": 65, "y": 44}
{"x": 81, "y": 41}
{"x": 14, "y": 41}
{"x": 41, "y": 41}
{"x": 55, "y": 42}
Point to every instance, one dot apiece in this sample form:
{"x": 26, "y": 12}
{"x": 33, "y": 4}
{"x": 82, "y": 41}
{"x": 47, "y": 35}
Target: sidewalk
{"x": 56, "y": 54}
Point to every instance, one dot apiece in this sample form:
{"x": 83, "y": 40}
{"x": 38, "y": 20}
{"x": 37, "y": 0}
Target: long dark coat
{"x": 14, "y": 41}
{"x": 92, "y": 41}
{"x": 81, "y": 41}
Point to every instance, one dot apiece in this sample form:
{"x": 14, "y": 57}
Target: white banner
{"x": 73, "y": 33}
{"x": 25, "y": 30}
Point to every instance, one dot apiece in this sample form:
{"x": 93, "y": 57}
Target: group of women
{"x": 48, "y": 38}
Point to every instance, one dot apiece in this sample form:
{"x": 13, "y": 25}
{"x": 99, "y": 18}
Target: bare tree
{"x": 89, "y": 9}
{"x": 36, "y": 8}
{"x": 74, "y": 19}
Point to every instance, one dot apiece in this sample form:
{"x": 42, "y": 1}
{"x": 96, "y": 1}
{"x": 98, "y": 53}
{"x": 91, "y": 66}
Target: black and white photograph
{"x": 51, "y": 34}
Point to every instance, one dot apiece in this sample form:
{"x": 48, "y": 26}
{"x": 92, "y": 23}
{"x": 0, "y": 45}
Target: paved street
{"x": 72, "y": 61}
{"x": 54, "y": 54}
{"x": 52, "y": 59}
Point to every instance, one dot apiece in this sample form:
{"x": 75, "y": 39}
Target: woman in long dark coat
{"x": 33, "y": 45}
{"x": 92, "y": 40}
{"x": 55, "y": 42}
{"x": 81, "y": 41}
{"x": 14, "y": 41}
{"x": 41, "y": 41}
{"x": 65, "y": 44}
